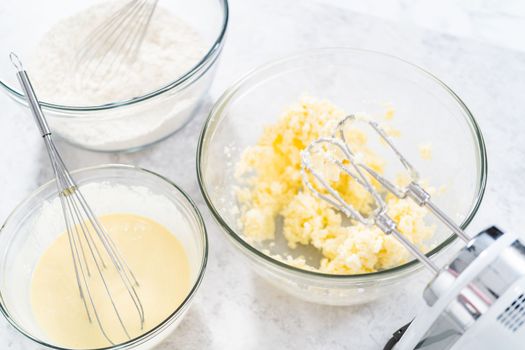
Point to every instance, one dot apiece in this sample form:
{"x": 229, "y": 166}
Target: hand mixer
{"x": 477, "y": 301}
{"x": 95, "y": 255}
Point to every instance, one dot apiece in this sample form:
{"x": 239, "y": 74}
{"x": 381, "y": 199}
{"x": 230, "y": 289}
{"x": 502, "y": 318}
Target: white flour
{"x": 170, "y": 49}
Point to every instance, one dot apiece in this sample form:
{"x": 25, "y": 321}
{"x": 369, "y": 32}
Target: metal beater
{"x": 121, "y": 34}
{"x": 89, "y": 242}
{"x": 477, "y": 301}
{"x": 350, "y": 165}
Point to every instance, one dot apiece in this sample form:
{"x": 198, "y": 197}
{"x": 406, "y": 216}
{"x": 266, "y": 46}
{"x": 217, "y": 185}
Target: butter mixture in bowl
{"x": 272, "y": 190}
{"x": 248, "y": 164}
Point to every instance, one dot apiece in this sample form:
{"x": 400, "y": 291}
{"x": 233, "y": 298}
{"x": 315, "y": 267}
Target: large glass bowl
{"x": 21, "y": 246}
{"x": 427, "y": 112}
{"x": 147, "y": 118}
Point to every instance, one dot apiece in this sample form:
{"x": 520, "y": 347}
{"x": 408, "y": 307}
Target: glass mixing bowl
{"x": 147, "y": 118}
{"x": 21, "y": 246}
{"x": 427, "y": 112}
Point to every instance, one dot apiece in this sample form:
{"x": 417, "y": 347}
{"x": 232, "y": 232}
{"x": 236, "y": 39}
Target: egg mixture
{"x": 158, "y": 261}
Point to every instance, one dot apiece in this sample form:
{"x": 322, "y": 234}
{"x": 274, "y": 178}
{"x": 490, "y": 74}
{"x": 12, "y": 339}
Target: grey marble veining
{"x": 234, "y": 309}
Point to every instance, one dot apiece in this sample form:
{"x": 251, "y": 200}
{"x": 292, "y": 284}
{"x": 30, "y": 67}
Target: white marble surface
{"x": 476, "y": 47}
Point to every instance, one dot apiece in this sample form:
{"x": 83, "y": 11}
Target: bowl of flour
{"x": 149, "y": 96}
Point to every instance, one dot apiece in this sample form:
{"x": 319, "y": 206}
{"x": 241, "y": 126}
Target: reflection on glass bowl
{"x": 355, "y": 80}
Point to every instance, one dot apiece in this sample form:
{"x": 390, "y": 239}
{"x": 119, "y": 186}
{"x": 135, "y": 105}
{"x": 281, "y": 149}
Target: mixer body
{"x": 475, "y": 302}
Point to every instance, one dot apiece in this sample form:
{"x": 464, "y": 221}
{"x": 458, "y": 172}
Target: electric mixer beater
{"x": 477, "y": 301}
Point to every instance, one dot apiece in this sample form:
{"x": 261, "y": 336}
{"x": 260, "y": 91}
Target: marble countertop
{"x": 469, "y": 46}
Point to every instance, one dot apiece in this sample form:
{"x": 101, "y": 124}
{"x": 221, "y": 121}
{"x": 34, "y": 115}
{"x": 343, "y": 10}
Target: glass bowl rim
{"x": 204, "y": 63}
{"x": 230, "y": 94}
{"x": 171, "y": 317}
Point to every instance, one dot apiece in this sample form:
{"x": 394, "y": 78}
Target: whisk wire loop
{"x": 117, "y": 39}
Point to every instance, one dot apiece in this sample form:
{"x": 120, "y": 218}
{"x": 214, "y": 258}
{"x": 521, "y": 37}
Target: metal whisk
{"x": 94, "y": 253}
{"x": 117, "y": 39}
{"x": 336, "y": 150}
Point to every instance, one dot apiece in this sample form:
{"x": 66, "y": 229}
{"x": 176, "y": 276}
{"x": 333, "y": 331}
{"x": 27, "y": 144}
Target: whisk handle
{"x": 31, "y": 98}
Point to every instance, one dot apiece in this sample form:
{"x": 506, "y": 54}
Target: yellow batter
{"x": 155, "y": 256}
{"x": 272, "y": 190}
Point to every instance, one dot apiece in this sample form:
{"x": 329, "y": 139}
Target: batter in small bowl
{"x": 155, "y": 256}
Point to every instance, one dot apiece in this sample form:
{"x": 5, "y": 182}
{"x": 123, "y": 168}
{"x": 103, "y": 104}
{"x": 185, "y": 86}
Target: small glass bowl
{"x": 427, "y": 112}
{"x": 21, "y": 247}
{"x": 167, "y": 109}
